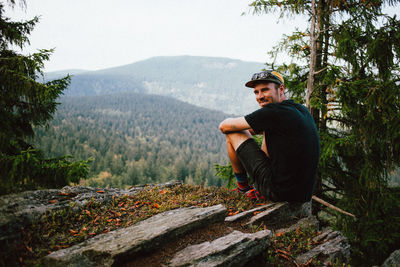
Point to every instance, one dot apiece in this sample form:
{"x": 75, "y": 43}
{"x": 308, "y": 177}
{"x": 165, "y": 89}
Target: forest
{"x": 136, "y": 139}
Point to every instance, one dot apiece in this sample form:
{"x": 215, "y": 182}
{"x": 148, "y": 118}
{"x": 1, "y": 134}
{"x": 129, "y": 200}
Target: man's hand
{"x": 234, "y": 125}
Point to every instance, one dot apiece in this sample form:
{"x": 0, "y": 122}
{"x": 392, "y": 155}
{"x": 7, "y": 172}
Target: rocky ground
{"x": 169, "y": 224}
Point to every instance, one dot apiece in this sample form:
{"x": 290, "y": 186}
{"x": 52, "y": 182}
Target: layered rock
{"x": 333, "y": 247}
{"x": 19, "y": 210}
{"x": 120, "y": 245}
{"x": 234, "y": 249}
{"x": 393, "y": 259}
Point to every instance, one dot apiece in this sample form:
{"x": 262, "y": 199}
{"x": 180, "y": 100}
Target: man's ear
{"x": 282, "y": 89}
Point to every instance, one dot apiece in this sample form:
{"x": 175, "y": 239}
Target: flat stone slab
{"x": 311, "y": 221}
{"x": 235, "y": 249}
{"x": 122, "y": 244}
{"x": 247, "y": 213}
{"x": 281, "y": 211}
{"x": 268, "y": 214}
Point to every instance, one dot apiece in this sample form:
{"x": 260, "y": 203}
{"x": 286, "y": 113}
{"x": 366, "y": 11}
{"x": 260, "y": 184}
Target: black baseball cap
{"x": 266, "y": 76}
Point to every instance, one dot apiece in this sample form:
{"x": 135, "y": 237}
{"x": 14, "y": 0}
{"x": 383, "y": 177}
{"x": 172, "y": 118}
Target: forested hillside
{"x": 137, "y": 138}
{"x": 215, "y": 83}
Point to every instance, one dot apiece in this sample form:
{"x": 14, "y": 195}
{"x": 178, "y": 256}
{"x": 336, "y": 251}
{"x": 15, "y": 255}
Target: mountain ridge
{"x": 210, "y": 82}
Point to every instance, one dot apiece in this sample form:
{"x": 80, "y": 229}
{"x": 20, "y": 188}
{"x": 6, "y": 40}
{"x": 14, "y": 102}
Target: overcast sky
{"x": 96, "y": 34}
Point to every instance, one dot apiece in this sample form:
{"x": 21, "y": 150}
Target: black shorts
{"x": 258, "y": 166}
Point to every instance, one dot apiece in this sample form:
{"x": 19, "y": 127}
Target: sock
{"x": 242, "y": 181}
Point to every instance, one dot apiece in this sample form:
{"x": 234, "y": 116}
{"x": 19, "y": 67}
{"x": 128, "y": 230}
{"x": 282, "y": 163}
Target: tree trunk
{"x": 313, "y": 55}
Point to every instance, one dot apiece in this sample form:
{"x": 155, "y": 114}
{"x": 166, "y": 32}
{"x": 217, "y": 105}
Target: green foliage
{"x": 376, "y": 234}
{"x": 30, "y": 169}
{"x": 24, "y": 104}
{"x": 225, "y": 172}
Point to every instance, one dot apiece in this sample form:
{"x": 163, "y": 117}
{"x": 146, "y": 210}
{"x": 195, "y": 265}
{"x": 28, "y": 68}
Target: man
{"x": 285, "y": 166}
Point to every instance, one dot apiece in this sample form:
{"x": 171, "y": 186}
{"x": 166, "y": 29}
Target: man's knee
{"x": 235, "y": 139}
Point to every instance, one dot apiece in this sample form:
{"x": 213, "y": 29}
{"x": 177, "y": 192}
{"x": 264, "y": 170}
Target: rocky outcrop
{"x": 19, "y": 210}
{"x": 124, "y": 245}
{"x": 113, "y": 247}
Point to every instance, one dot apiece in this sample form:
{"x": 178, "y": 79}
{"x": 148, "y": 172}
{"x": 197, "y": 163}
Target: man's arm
{"x": 234, "y": 125}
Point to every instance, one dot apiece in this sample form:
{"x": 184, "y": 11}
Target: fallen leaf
{"x": 163, "y": 192}
{"x": 156, "y": 206}
{"x": 256, "y": 212}
{"x": 106, "y": 231}
{"x": 72, "y": 231}
{"x": 63, "y": 194}
{"x": 100, "y": 191}
{"x": 121, "y": 204}
{"x": 297, "y": 231}
{"x": 279, "y": 234}
{"x": 91, "y": 234}
{"x": 28, "y": 248}
{"x": 52, "y": 201}
{"x": 87, "y": 212}
{"x": 84, "y": 229}
{"x": 284, "y": 256}
{"x": 123, "y": 209}
{"x": 308, "y": 262}
{"x": 282, "y": 251}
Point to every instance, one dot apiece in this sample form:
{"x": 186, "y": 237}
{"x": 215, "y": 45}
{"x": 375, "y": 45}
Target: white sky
{"x": 96, "y": 34}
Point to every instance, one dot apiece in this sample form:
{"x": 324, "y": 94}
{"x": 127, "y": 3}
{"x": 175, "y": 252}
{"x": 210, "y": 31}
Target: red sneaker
{"x": 254, "y": 194}
{"x": 243, "y": 190}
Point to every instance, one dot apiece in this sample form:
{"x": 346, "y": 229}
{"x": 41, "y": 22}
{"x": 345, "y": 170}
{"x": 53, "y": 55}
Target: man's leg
{"x": 233, "y": 141}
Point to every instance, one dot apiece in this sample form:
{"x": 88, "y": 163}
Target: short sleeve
{"x": 257, "y": 120}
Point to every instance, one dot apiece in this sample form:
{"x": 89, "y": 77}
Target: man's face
{"x": 266, "y": 93}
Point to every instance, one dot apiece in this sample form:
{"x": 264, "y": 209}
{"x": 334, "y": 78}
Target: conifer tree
{"x": 25, "y": 103}
{"x": 352, "y": 88}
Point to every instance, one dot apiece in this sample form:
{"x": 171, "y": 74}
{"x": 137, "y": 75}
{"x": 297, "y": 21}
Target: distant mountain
{"x": 215, "y": 83}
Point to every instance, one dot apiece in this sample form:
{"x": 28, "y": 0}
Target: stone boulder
{"x": 392, "y": 260}
{"x": 234, "y": 249}
{"x": 118, "y": 246}
{"x": 333, "y": 247}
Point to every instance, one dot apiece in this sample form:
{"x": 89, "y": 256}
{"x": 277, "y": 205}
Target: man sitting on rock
{"x": 285, "y": 166}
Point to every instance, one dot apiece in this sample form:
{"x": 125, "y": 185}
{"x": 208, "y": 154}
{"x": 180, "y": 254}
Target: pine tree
{"x": 26, "y": 103}
{"x": 345, "y": 69}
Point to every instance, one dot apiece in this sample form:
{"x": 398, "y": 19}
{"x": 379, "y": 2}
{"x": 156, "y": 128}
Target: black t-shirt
{"x": 293, "y": 146}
